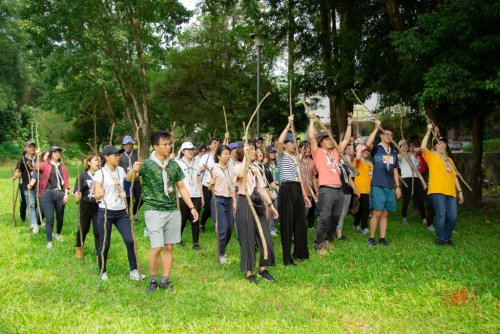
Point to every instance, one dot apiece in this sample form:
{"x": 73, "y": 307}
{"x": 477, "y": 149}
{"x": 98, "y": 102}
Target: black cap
{"x": 270, "y": 149}
{"x": 55, "y": 148}
{"x": 29, "y": 142}
{"x": 258, "y": 138}
{"x": 110, "y": 149}
{"x": 320, "y": 136}
{"x": 441, "y": 138}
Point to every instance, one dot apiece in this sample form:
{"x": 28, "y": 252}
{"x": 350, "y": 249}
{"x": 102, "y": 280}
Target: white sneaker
{"x": 274, "y": 234}
{"x": 49, "y": 245}
{"x": 364, "y": 231}
{"x": 146, "y": 233}
{"x": 431, "y": 228}
{"x": 223, "y": 259}
{"x": 34, "y": 228}
{"x": 134, "y": 275}
{"x": 104, "y": 276}
{"x": 59, "y": 237}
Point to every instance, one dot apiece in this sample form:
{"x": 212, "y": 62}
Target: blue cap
{"x": 128, "y": 140}
{"x": 232, "y": 146}
{"x": 289, "y": 137}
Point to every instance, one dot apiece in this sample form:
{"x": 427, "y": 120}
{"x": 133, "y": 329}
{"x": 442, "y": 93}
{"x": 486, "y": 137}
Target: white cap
{"x": 186, "y": 146}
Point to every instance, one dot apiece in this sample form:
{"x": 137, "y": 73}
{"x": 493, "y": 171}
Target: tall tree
{"x": 122, "y": 39}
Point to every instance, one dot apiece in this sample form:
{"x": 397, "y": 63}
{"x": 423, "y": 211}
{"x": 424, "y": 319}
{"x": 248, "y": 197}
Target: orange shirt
{"x": 441, "y": 176}
{"x": 327, "y": 163}
{"x": 363, "y": 180}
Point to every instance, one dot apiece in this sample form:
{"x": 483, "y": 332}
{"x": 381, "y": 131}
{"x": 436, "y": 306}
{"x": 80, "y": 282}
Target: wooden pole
{"x": 78, "y": 211}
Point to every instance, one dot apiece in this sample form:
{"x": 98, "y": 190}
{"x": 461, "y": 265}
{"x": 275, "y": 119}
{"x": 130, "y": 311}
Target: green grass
{"x": 408, "y": 287}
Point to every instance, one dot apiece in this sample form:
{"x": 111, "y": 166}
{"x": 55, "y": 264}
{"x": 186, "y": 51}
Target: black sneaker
{"x": 266, "y": 275}
{"x": 384, "y": 242}
{"x": 202, "y": 228}
{"x": 166, "y": 285}
{"x": 252, "y": 279}
{"x": 342, "y": 238}
{"x": 372, "y": 243}
{"x": 440, "y": 242}
{"x": 196, "y": 247}
{"x": 153, "y": 285}
{"x": 449, "y": 243}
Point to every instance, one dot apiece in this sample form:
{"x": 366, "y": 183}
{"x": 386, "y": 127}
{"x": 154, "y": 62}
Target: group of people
{"x": 246, "y": 187}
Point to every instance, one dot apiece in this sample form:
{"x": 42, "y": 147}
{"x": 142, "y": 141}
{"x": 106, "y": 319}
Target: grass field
{"x": 411, "y": 287}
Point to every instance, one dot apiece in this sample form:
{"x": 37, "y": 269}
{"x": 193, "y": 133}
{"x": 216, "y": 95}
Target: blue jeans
{"x": 53, "y": 199}
{"x": 446, "y": 215}
{"x": 226, "y": 220}
{"x": 121, "y": 220}
{"x": 30, "y": 196}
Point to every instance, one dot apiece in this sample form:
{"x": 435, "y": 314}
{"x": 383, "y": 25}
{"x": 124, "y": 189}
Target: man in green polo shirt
{"x": 161, "y": 180}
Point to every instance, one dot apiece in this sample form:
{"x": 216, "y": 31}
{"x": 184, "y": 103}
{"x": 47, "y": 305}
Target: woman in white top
{"x": 110, "y": 194}
{"x": 192, "y": 181}
{"x": 409, "y": 177}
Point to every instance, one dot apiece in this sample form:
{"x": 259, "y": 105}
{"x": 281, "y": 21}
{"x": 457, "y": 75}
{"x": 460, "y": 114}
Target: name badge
{"x": 333, "y": 171}
{"x": 388, "y": 159}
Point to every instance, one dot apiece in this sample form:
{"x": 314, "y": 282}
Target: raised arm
{"x": 348, "y": 134}
{"x": 371, "y": 138}
{"x": 311, "y": 131}
{"x": 281, "y": 140}
{"x": 425, "y": 141}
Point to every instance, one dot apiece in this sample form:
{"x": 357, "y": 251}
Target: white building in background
{"x": 321, "y": 107}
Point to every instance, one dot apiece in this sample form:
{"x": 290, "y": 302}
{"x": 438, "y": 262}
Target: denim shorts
{"x": 382, "y": 198}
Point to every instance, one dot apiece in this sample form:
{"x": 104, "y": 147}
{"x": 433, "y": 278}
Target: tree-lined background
{"x": 76, "y": 67}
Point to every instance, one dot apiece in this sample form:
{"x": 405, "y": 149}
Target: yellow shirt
{"x": 363, "y": 180}
{"x": 441, "y": 181}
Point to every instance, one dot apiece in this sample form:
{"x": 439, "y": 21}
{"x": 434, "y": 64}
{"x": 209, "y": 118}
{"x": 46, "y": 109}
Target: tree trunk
{"x": 475, "y": 197}
{"x": 392, "y": 7}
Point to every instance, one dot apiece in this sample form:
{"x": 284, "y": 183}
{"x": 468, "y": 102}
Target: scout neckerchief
{"x": 164, "y": 175}
{"x": 261, "y": 168}
{"x": 388, "y": 156}
{"x": 206, "y": 171}
{"x": 129, "y": 157}
{"x": 343, "y": 172}
{"x": 295, "y": 161}
{"x": 367, "y": 163}
{"x": 330, "y": 160}
{"x": 305, "y": 167}
{"x": 190, "y": 170}
{"x": 447, "y": 164}
{"x": 227, "y": 178}
{"x": 31, "y": 162}
{"x": 60, "y": 181}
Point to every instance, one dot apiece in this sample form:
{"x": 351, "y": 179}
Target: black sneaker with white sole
{"x": 372, "y": 243}
{"x": 384, "y": 242}
{"x": 153, "y": 285}
{"x": 266, "y": 275}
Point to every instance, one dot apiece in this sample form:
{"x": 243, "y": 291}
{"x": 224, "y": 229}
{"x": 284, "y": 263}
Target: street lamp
{"x": 258, "y": 40}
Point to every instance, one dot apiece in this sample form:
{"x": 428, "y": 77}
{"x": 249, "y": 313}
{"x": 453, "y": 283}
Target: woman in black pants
{"x": 248, "y": 232}
{"x": 292, "y": 199}
{"x": 84, "y": 196}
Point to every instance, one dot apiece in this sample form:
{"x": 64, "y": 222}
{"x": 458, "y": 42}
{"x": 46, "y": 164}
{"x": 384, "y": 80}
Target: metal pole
{"x": 258, "y": 89}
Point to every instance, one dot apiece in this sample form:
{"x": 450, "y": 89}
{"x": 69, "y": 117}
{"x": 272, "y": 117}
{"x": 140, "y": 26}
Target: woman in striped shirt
{"x": 292, "y": 199}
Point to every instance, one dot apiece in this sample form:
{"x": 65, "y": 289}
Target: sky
{"x": 189, "y": 4}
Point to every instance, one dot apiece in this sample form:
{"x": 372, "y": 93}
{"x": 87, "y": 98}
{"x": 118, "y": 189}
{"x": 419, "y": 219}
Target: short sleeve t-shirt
{"x": 328, "y": 166}
{"x": 441, "y": 174}
{"x": 112, "y": 183}
{"x": 191, "y": 173}
{"x": 153, "y": 193}
{"x": 363, "y": 180}
{"x": 86, "y": 183}
{"x": 289, "y": 167}
{"x": 384, "y": 163}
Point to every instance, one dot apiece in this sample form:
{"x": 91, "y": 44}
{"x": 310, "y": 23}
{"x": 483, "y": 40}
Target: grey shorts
{"x": 164, "y": 227}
